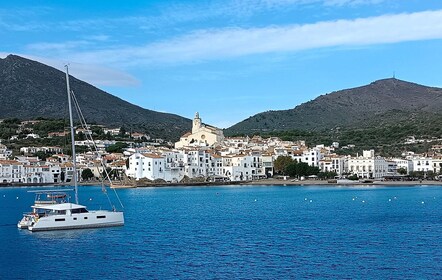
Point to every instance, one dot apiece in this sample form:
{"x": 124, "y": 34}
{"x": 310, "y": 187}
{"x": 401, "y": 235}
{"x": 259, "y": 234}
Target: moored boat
{"x": 56, "y": 213}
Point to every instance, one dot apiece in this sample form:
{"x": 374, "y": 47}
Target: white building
{"x": 333, "y": 163}
{"x": 150, "y": 166}
{"x": 11, "y": 171}
{"x": 422, "y": 164}
{"x": 368, "y": 166}
{"x": 403, "y": 164}
{"x": 201, "y": 135}
{"x": 437, "y": 165}
{"x": 37, "y": 174}
{"x": 309, "y": 156}
{"x": 5, "y": 153}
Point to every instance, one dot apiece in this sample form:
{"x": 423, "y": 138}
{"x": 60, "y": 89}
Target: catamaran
{"x": 59, "y": 214}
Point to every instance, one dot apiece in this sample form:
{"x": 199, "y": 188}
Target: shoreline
{"x": 263, "y": 182}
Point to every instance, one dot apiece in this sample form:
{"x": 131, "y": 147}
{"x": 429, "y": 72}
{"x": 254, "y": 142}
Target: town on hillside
{"x": 205, "y": 155}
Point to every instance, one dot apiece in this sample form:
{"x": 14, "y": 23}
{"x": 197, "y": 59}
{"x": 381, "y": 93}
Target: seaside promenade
{"x": 326, "y": 183}
{"x": 263, "y": 182}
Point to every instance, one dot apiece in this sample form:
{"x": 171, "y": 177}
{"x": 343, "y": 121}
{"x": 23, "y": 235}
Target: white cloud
{"x": 217, "y": 44}
{"x": 351, "y": 2}
{"x": 60, "y": 47}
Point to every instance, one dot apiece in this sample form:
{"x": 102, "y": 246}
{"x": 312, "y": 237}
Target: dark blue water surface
{"x": 236, "y": 232}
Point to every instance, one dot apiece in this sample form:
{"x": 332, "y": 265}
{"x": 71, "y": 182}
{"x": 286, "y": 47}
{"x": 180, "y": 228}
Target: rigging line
{"x": 91, "y": 140}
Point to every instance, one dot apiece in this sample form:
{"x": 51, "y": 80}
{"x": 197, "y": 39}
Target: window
{"x": 60, "y": 220}
{"x": 101, "y": 217}
{"x": 75, "y": 219}
{"x": 79, "y": 210}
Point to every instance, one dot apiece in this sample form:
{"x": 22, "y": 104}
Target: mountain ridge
{"x": 30, "y": 89}
{"x": 347, "y": 108}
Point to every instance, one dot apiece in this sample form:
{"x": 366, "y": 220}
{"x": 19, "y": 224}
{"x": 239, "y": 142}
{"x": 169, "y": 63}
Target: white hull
{"x": 26, "y": 221}
{"x": 92, "y": 219}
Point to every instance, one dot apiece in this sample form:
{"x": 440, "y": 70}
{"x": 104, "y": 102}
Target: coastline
{"x": 263, "y": 182}
{"x": 277, "y": 182}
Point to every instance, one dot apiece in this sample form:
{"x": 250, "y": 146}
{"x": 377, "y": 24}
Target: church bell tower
{"x": 196, "y": 123}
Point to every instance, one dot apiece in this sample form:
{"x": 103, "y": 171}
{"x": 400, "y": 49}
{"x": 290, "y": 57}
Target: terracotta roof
{"x": 152, "y": 156}
{"x": 10, "y": 162}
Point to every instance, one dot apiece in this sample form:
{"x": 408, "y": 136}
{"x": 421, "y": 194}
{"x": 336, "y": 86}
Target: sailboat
{"x": 62, "y": 215}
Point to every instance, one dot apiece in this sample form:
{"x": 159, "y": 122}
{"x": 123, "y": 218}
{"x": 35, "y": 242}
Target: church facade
{"x": 201, "y": 135}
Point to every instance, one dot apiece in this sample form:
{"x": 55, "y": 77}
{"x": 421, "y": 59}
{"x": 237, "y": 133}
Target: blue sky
{"x": 228, "y": 59}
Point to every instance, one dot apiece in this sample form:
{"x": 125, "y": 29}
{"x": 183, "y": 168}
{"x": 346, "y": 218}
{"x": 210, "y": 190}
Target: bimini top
{"x": 60, "y": 207}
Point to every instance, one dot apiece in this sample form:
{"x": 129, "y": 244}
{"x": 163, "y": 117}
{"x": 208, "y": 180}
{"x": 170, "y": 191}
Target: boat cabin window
{"x": 101, "y": 217}
{"x": 79, "y": 210}
{"x": 59, "y": 220}
{"x": 60, "y": 212}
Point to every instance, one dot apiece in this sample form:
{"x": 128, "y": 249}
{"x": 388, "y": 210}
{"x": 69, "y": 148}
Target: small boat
{"x": 58, "y": 214}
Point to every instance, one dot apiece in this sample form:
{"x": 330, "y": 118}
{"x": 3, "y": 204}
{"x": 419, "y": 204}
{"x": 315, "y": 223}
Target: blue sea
{"x": 236, "y": 232}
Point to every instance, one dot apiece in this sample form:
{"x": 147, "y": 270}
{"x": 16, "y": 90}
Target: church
{"x": 201, "y": 135}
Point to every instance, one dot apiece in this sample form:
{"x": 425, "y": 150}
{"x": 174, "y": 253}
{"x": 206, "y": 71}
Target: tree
{"x": 281, "y": 163}
{"x": 295, "y": 169}
{"x": 122, "y": 132}
{"x": 402, "y": 171}
{"x": 117, "y": 147}
{"x": 87, "y": 174}
{"x": 327, "y": 175}
{"x": 81, "y": 136}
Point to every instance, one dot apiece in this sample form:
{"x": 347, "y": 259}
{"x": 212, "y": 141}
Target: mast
{"x": 71, "y": 122}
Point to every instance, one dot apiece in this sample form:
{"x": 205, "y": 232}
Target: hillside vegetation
{"x": 29, "y": 89}
{"x": 381, "y": 115}
{"x": 388, "y": 101}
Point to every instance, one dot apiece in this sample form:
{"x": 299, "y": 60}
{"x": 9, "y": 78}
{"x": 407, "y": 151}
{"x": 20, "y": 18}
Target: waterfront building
{"x": 403, "y": 164}
{"x": 333, "y": 163}
{"x": 309, "y": 156}
{"x": 368, "y": 166}
{"x": 152, "y": 166}
{"x": 37, "y": 174}
{"x": 11, "y": 171}
{"x": 267, "y": 164}
{"x": 422, "y": 164}
{"x": 437, "y": 165}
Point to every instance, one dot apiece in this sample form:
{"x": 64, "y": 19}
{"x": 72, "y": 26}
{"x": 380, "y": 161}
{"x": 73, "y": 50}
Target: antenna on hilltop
{"x": 394, "y": 74}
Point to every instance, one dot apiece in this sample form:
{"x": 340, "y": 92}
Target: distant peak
{"x": 13, "y": 56}
{"x": 392, "y": 82}
{"x": 388, "y": 80}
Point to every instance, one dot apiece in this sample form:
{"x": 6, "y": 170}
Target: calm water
{"x": 236, "y": 232}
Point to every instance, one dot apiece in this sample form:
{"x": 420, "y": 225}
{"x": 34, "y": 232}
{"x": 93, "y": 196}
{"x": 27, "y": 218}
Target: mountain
{"x": 29, "y": 89}
{"x": 383, "y": 102}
